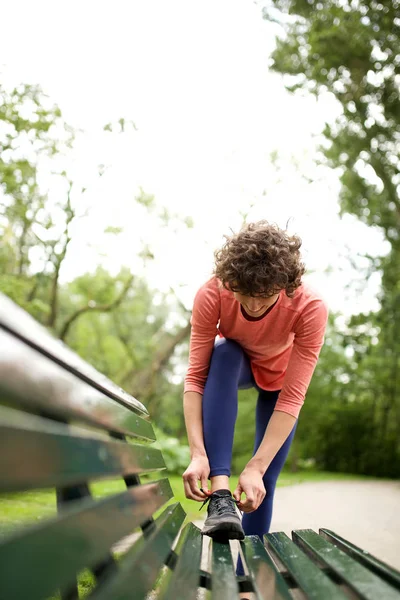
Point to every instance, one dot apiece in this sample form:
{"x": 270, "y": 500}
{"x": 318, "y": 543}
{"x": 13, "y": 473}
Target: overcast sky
{"x": 194, "y": 78}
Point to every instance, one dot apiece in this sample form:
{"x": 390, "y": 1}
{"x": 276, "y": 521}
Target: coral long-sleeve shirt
{"x": 283, "y": 346}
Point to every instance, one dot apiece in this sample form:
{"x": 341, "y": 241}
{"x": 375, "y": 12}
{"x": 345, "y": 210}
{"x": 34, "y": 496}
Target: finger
{"x": 252, "y": 501}
{"x": 204, "y": 485}
{"x": 248, "y": 505}
{"x": 189, "y": 492}
{"x": 237, "y": 493}
{"x": 247, "y": 508}
{"x": 190, "y": 484}
{"x": 257, "y": 501}
{"x": 196, "y": 493}
{"x": 261, "y": 496}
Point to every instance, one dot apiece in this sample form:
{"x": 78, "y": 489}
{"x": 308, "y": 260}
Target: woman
{"x": 271, "y": 328}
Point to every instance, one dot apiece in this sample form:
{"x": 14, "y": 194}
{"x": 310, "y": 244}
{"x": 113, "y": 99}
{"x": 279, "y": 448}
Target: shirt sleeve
{"x": 204, "y": 321}
{"x": 308, "y": 341}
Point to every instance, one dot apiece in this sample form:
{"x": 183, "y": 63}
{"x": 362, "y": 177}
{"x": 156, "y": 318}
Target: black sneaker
{"x": 222, "y": 523}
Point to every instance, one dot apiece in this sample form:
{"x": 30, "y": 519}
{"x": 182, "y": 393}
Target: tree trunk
{"x": 54, "y": 295}
{"x": 22, "y": 259}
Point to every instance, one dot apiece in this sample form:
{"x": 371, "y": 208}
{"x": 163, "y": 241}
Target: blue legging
{"x": 229, "y": 371}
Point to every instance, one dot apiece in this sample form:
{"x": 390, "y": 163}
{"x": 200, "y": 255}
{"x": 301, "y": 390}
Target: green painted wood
{"x": 184, "y": 580}
{"x": 37, "y": 561}
{"x": 140, "y": 567}
{"x": 18, "y": 322}
{"x": 368, "y": 585}
{"x": 309, "y": 578}
{"x": 36, "y": 453}
{"x": 35, "y": 383}
{"x": 223, "y": 578}
{"x": 267, "y": 581}
{"x": 365, "y": 558}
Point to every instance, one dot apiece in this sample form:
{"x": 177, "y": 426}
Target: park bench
{"x": 63, "y": 425}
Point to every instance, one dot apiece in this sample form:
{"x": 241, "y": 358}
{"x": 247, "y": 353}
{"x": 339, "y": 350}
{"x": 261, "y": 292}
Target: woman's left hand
{"x": 251, "y": 484}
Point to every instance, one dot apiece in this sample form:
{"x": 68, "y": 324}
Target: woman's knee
{"x": 227, "y": 351}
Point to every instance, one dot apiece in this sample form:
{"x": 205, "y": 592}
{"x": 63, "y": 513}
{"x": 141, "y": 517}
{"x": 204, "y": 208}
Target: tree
{"x": 123, "y": 333}
{"x": 351, "y": 49}
{"x": 31, "y": 130}
{"x": 111, "y": 321}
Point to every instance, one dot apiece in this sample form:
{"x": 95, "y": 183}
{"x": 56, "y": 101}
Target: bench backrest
{"x": 63, "y": 425}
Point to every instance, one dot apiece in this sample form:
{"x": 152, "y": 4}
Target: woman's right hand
{"x": 198, "y": 470}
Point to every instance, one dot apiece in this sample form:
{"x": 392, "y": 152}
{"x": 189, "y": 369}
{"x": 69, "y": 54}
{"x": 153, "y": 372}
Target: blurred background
{"x": 134, "y": 135}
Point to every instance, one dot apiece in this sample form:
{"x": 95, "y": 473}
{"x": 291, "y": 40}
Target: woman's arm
{"x": 308, "y": 340}
{"x": 250, "y": 480}
{"x": 199, "y": 468}
{"x": 204, "y": 321}
{"x": 277, "y": 432}
{"x": 192, "y": 410}
{"x": 205, "y": 317}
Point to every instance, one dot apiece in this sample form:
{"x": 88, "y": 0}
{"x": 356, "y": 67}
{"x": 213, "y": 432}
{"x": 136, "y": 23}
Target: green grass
{"x": 26, "y": 507}
{"x": 287, "y": 478}
{"x": 33, "y": 506}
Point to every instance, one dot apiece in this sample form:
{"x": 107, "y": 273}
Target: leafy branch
{"x": 93, "y": 307}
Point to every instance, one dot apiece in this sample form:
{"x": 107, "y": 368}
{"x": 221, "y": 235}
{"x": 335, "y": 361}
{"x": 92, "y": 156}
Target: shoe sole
{"x": 224, "y": 532}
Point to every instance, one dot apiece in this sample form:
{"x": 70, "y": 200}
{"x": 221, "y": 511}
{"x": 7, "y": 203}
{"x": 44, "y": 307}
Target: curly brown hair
{"x": 260, "y": 260}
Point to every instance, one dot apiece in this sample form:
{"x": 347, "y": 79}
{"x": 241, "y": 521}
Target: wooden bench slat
{"x": 310, "y": 579}
{"x": 223, "y": 577}
{"x": 184, "y": 580}
{"x": 140, "y": 567}
{"x": 362, "y": 556}
{"x": 267, "y": 581}
{"x": 37, "y": 453}
{"x": 37, "y": 561}
{"x": 22, "y": 325}
{"x": 368, "y": 585}
{"x": 33, "y": 382}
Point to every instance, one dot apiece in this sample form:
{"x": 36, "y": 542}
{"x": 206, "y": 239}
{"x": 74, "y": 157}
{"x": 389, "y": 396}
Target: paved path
{"x": 366, "y": 513}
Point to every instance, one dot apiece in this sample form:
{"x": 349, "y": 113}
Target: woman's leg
{"x": 229, "y": 370}
{"x": 259, "y": 521}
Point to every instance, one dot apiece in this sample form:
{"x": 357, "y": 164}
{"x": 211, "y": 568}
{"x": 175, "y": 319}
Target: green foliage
{"x": 176, "y": 454}
{"x": 352, "y": 50}
{"x": 31, "y": 130}
{"x": 112, "y": 321}
{"x": 121, "y": 342}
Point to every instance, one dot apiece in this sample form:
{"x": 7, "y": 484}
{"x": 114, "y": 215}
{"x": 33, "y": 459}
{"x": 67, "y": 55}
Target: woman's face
{"x": 255, "y": 306}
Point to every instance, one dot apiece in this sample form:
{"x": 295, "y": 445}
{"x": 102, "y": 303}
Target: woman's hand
{"x": 198, "y": 470}
{"x": 251, "y": 484}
